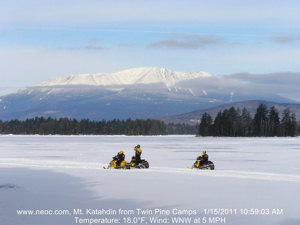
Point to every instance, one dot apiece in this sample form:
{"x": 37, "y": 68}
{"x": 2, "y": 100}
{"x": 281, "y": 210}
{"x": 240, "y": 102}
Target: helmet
{"x": 138, "y": 146}
{"x": 204, "y": 152}
{"x": 121, "y": 152}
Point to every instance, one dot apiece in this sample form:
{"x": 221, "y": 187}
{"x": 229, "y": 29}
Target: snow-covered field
{"x": 256, "y": 181}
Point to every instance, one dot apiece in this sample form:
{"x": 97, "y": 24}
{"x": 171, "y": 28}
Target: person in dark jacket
{"x": 138, "y": 153}
{"x": 120, "y": 157}
{"x": 202, "y": 159}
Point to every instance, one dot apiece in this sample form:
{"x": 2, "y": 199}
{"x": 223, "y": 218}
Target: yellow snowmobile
{"x": 114, "y": 163}
{"x": 209, "y": 165}
{"x": 142, "y": 165}
{"x": 202, "y": 163}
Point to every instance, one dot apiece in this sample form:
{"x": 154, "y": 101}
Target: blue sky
{"x": 51, "y": 38}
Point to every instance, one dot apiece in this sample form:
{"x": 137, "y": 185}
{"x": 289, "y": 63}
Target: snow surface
{"x": 66, "y": 172}
{"x": 143, "y": 75}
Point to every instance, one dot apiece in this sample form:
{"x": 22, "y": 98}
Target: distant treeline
{"x": 234, "y": 122}
{"x": 66, "y": 126}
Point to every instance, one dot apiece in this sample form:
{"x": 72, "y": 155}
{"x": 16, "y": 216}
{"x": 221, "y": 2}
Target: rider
{"x": 120, "y": 157}
{"x": 202, "y": 159}
{"x": 138, "y": 153}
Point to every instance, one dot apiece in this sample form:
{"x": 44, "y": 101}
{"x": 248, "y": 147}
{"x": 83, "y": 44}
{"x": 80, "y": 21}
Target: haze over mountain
{"x": 194, "y": 117}
{"x": 147, "y": 92}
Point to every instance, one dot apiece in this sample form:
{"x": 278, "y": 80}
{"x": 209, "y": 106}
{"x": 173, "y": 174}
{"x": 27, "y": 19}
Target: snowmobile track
{"x": 66, "y": 165}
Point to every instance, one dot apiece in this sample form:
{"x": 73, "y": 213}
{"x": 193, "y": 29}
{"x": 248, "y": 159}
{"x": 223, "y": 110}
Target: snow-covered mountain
{"x": 148, "y": 92}
{"x": 143, "y": 75}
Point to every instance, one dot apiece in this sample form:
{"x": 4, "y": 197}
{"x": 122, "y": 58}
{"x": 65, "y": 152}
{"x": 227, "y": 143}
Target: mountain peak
{"x": 142, "y": 75}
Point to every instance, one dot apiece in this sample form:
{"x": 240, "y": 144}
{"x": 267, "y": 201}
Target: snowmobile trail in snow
{"x": 66, "y": 165}
{"x": 229, "y": 174}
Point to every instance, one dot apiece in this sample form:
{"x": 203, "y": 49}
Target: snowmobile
{"x": 209, "y": 165}
{"x": 113, "y": 164}
{"x": 142, "y": 165}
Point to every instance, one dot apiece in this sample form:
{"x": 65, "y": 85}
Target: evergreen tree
{"x": 205, "y": 126}
{"x": 225, "y": 121}
{"x": 260, "y": 121}
{"x": 297, "y": 130}
{"x": 273, "y": 122}
{"x": 234, "y": 119}
{"x": 293, "y": 128}
{"x": 218, "y": 125}
{"x": 288, "y": 123}
{"x": 247, "y": 123}
{"x": 285, "y": 122}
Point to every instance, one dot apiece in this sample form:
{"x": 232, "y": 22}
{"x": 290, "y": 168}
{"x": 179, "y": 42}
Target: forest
{"x": 67, "y": 126}
{"x": 229, "y": 122}
{"x": 239, "y": 123}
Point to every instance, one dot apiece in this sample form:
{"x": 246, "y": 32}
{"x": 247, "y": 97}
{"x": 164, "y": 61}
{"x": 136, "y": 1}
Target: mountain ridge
{"x": 142, "y": 75}
{"x": 138, "y": 93}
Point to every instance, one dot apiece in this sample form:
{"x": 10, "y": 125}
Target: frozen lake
{"x": 256, "y": 181}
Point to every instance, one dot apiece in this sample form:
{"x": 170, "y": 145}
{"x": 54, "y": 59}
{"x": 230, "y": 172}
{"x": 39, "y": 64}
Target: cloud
{"x": 268, "y": 78}
{"x": 94, "y": 44}
{"x": 94, "y": 47}
{"x": 282, "y": 86}
{"x": 187, "y": 42}
{"x": 86, "y": 47}
{"x": 285, "y": 84}
{"x": 285, "y": 39}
